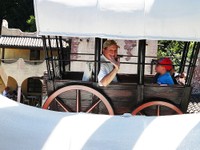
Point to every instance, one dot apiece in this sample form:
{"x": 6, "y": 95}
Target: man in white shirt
{"x": 110, "y": 68}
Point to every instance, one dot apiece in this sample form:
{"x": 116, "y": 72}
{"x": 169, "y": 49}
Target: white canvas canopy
{"x": 120, "y": 19}
{"x": 23, "y": 127}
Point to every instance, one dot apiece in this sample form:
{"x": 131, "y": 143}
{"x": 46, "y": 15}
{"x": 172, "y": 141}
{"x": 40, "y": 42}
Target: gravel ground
{"x": 194, "y": 105}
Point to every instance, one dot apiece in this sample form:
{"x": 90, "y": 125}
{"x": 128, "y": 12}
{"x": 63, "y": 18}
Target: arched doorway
{"x": 2, "y": 85}
{"x": 12, "y": 84}
{"x": 32, "y": 91}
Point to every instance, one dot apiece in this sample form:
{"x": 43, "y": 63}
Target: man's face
{"x": 110, "y": 52}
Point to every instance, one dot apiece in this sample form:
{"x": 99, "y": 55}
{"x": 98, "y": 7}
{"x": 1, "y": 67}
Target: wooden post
{"x": 141, "y": 61}
{"x": 184, "y": 57}
{"x": 97, "y": 58}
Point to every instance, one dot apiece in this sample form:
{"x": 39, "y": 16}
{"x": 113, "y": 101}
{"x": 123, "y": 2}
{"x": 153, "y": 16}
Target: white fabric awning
{"x": 23, "y": 127}
{"x": 120, "y": 19}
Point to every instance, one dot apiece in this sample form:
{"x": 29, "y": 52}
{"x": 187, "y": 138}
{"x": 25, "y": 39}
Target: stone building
{"x": 22, "y": 64}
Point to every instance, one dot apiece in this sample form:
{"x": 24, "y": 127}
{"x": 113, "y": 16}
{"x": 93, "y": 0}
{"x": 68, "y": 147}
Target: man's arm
{"x": 107, "y": 79}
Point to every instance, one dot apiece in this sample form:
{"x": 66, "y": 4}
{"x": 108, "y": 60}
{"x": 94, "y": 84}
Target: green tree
{"x": 16, "y": 12}
{"x": 31, "y": 23}
{"x": 174, "y": 50}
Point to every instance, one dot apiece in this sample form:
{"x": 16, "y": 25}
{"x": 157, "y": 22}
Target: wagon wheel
{"x": 78, "y": 98}
{"x": 158, "y": 105}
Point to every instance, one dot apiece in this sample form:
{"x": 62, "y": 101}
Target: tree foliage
{"x": 174, "y": 50}
{"x": 31, "y": 23}
{"x": 17, "y": 12}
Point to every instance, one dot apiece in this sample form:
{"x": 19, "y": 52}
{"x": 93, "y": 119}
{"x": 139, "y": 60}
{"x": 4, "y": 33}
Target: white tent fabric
{"x": 120, "y": 19}
{"x": 24, "y": 127}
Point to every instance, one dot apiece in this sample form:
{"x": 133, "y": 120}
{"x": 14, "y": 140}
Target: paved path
{"x": 194, "y": 105}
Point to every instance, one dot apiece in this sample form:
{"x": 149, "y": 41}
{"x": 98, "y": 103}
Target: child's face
{"x": 160, "y": 69}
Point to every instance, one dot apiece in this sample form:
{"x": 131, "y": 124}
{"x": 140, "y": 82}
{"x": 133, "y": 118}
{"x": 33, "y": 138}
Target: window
{"x": 34, "y": 86}
{"x": 34, "y": 54}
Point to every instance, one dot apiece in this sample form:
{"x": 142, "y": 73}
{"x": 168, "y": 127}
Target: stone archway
{"x": 32, "y": 91}
{"x": 23, "y": 71}
{"x": 2, "y": 85}
{"x": 13, "y": 85}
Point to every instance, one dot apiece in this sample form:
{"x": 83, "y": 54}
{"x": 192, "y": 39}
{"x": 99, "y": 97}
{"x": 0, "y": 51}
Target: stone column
{"x": 19, "y": 93}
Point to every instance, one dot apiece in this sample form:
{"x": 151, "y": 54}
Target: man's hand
{"x": 116, "y": 62}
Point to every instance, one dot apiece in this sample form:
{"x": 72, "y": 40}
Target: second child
{"x": 163, "y": 68}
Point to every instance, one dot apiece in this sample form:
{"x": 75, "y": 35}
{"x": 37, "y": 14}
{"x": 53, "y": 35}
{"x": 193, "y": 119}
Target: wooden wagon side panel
{"x": 123, "y": 97}
{"x": 176, "y": 95}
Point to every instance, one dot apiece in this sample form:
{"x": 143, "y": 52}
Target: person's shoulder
{"x": 102, "y": 58}
{"x": 169, "y": 78}
{"x": 167, "y": 74}
{"x": 4, "y": 92}
{"x": 104, "y": 61}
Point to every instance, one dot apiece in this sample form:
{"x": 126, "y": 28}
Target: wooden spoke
{"x": 158, "y": 104}
{"x": 158, "y": 110}
{"x": 68, "y": 90}
{"x": 93, "y": 106}
{"x": 140, "y": 113}
{"x": 62, "y": 105}
{"x": 78, "y": 101}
